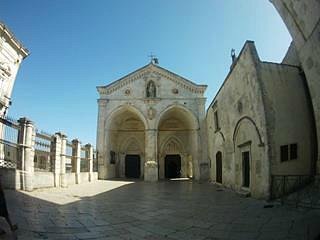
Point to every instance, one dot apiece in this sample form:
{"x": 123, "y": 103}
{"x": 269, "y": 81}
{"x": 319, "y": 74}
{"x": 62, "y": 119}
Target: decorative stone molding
{"x": 156, "y": 73}
{"x": 151, "y": 164}
{"x": 151, "y": 113}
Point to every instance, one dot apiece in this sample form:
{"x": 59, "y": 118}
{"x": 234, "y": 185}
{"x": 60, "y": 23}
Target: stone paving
{"x": 154, "y": 211}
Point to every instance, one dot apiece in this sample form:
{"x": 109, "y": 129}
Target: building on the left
{"x": 12, "y": 52}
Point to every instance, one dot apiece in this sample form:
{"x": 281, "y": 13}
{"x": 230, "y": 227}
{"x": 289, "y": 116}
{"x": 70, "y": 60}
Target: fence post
{"x": 27, "y": 142}
{"x": 56, "y": 158}
{"x": 76, "y": 158}
{"x": 63, "y": 182}
{"x": 89, "y": 156}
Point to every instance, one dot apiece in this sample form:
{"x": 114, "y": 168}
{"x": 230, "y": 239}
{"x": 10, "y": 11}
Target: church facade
{"x": 152, "y": 125}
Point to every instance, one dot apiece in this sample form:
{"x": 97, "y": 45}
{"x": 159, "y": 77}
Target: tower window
{"x": 216, "y": 121}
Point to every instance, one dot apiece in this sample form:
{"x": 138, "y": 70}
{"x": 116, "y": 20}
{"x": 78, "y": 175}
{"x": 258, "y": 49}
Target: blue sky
{"x": 77, "y": 45}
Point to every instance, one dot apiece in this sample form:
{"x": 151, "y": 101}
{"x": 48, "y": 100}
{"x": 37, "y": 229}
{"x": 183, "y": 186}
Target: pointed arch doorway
{"x": 132, "y": 166}
{"x": 172, "y": 164}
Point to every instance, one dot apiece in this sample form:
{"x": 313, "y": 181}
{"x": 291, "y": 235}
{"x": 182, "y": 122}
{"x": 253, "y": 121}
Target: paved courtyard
{"x": 163, "y": 210}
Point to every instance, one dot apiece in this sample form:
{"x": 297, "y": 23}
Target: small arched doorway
{"x": 219, "y": 167}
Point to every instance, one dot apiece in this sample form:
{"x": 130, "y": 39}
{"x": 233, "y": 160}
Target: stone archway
{"x": 178, "y": 137}
{"x": 131, "y": 155}
{"x": 125, "y": 135}
{"x": 251, "y": 171}
{"x": 172, "y": 153}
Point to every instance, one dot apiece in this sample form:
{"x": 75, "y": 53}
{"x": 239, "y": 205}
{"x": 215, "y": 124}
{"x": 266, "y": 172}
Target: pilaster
{"x": 76, "y": 158}
{"x": 27, "y": 142}
{"x": 56, "y": 158}
{"x": 63, "y": 147}
{"x": 89, "y": 157}
{"x": 151, "y": 162}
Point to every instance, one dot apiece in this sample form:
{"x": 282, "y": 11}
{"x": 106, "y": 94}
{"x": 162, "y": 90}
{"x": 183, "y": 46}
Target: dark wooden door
{"x": 246, "y": 169}
{"x": 132, "y": 166}
{"x": 172, "y": 166}
{"x": 219, "y": 167}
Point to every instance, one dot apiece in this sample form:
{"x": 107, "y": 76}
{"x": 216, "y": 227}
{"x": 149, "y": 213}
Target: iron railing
{"x": 296, "y": 190}
{"x": 69, "y": 159}
{"x": 84, "y": 163}
{"x": 42, "y": 156}
{"x": 9, "y": 143}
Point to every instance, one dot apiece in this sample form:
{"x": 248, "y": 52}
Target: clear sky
{"x": 77, "y": 45}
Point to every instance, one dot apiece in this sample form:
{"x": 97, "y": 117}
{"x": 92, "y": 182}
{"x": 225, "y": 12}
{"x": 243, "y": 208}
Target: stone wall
{"x": 259, "y": 107}
{"x": 43, "y": 180}
{"x": 302, "y": 19}
{"x": 22, "y": 173}
{"x": 241, "y": 125}
{"x": 289, "y": 118}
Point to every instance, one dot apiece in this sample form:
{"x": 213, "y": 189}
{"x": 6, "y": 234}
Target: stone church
{"x": 152, "y": 125}
{"x": 263, "y": 124}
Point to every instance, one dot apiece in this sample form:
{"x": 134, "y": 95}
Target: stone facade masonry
{"x": 11, "y": 55}
{"x": 302, "y": 19}
{"x": 167, "y": 118}
{"x": 260, "y": 107}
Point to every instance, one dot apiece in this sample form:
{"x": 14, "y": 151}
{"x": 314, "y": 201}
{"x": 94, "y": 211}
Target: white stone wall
{"x": 290, "y": 118}
{"x": 242, "y": 123}
{"x": 43, "y": 179}
{"x": 260, "y": 106}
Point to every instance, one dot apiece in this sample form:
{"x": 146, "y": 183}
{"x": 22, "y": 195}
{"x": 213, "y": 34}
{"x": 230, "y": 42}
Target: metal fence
{"x": 9, "y": 145}
{"x": 69, "y": 157}
{"x": 297, "y": 190}
{"x": 42, "y": 155}
{"x": 84, "y": 163}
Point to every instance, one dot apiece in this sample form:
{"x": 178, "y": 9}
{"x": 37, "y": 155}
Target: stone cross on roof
{"x": 153, "y": 59}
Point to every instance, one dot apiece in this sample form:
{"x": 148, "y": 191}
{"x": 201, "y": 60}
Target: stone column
{"x": 76, "y": 158}
{"x": 63, "y": 137}
{"x": 89, "y": 157}
{"x": 56, "y": 158}
{"x": 101, "y": 139}
{"x": 27, "y": 142}
{"x": 151, "y": 163}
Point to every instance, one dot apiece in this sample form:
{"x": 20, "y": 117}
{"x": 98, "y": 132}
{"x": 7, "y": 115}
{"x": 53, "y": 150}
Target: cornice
{"x": 151, "y": 69}
{"x": 4, "y": 31}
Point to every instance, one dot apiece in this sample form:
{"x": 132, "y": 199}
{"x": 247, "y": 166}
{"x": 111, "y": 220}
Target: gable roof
{"x": 137, "y": 74}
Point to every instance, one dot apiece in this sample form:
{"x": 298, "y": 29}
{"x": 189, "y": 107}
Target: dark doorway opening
{"x": 219, "y": 167}
{"x": 173, "y": 166}
{"x": 132, "y": 166}
{"x": 246, "y": 169}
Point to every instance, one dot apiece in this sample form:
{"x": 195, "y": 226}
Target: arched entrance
{"x": 219, "y": 167}
{"x": 172, "y": 166}
{"x": 132, "y": 166}
{"x": 125, "y": 143}
{"x": 177, "y": 143}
